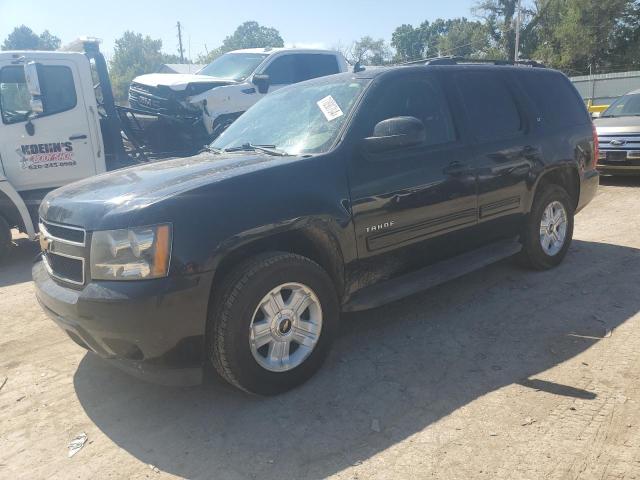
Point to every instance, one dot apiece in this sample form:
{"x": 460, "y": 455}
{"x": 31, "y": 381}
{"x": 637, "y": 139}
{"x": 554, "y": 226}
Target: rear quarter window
{"x": 556, "y": 100}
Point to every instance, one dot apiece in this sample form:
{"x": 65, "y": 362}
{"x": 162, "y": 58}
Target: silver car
{"x": 619, "y": 136}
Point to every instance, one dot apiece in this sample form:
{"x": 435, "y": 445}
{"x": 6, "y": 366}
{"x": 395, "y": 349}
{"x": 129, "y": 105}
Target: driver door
{"x": 407, "y": 196}
{"x": 55, "y": 147}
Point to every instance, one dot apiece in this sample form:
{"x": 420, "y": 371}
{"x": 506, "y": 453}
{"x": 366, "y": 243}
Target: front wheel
{"x": 272, "y": 323}
{"x": 548, "y": 230}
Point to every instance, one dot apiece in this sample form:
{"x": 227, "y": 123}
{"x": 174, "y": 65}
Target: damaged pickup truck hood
{"x": 180, "y": 82}
{"x": 109, "y": 200}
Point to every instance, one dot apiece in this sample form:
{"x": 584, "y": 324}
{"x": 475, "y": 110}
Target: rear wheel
{"x": 272, "y": 323}
{"x": 548, "y": 230}
{"x": 5, "y": 238}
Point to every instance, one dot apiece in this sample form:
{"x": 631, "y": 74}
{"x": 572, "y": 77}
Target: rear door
{"x": 52, "y": 148}
{"x": 407, "y": 196}
{"x": 505, "y": 146}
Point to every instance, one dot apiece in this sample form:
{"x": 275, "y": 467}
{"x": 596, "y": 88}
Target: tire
{"x": 242, "y": 318}
{"x": 537, "y": 252}
{"x": 5, "y": 238}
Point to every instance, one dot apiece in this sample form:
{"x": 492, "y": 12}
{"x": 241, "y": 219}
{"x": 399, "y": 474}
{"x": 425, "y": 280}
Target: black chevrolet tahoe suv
{"x": 337, "y": 194}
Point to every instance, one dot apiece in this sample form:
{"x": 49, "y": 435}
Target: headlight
{"x": 131, "y": 254}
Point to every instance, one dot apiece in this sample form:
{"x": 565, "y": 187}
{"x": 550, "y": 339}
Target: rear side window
{"x": 490, "y": 105}
{"x": 316, "y": 65}
{"x": 555, "y": 98}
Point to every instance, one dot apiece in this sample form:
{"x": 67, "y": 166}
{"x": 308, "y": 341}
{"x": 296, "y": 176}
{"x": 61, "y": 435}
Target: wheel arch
{"x": 310, "y": 241}
{"x": 14, "y": 210}
{"x": 565, "y": 176}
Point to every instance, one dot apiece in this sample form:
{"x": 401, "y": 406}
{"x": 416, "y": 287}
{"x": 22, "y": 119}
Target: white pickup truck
{"x": 205, "y": 103}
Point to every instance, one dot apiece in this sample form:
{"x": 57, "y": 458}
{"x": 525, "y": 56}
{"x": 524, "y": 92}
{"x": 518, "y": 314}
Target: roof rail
{"x": 461, "y": 60}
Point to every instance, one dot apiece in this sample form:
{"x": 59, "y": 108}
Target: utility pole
{"x": 516, "y": 56}
{"x": 180, "y": 43}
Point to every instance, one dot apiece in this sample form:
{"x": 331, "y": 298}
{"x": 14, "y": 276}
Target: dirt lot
{"x": 502, "y": 374}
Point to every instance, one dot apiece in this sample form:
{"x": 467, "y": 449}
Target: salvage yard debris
{"x": 77, "y": 443}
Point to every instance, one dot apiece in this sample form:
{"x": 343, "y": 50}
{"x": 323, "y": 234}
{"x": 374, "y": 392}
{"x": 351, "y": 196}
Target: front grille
{"x": 619, "y": 149}
{"x": 65, "y": 268}
{"x": 144, "y": 97}
{"x": 64, "y": 233}
{"x": 64, "y": 251}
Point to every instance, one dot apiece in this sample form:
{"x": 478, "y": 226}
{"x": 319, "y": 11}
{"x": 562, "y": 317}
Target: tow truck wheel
{"x": 272, "y": 323}
{"x": 5, "y": 238}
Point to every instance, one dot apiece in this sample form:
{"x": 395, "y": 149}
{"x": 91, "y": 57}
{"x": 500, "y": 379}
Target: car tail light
{"x": 596, "y": 147}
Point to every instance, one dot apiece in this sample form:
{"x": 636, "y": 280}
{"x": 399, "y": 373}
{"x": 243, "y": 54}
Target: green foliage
{"x": 458, "y": 36}
{"x": 248, "y": 35}
{"x": 23, "y": 38}
{"x": 135, "y": 55}
{"x": 368, "y": 51}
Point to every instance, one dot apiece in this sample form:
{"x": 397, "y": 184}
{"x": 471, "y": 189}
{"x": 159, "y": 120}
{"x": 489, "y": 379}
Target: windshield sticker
{"x": 330, "y": 108}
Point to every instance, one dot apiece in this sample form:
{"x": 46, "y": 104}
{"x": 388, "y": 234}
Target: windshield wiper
{"x": 209, "y": 148}
{"x": 250, "y": 147}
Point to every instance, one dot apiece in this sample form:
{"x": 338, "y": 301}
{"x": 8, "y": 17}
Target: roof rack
{"x": 461, "y": 60}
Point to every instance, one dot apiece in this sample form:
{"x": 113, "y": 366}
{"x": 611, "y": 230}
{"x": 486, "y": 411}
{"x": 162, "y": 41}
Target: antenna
{"x": 180, "y": 43}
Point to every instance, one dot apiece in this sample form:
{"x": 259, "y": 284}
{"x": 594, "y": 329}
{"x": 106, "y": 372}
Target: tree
{"x": 368, "y": 51}
{"x": 135, "y": 55}
{"x": 248, "y": 35}
{"x": 457, "y": 36}
{"x": 23, "y": 38}
{"x": 579, "y": 36}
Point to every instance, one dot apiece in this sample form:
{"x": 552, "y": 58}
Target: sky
{"x": 303, "y": 23}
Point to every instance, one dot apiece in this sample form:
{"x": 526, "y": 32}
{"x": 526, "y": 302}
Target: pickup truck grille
{"x": 64, "y": 251}
{"x": 146, "y": 98}
{"x": 620, "y": 149}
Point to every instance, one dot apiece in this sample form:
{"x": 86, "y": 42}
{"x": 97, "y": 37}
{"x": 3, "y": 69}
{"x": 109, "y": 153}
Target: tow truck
{"x": 60, "y": 124}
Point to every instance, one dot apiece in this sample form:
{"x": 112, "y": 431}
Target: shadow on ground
{"x": 620, "y": 180}
{"x": 405, "y": 365}
{"x": 16, "y": 268}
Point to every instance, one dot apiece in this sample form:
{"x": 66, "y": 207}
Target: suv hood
{"x": 108, "y": 200}
{"x": 617, "y": 125}
{"x": 179, "y": 81}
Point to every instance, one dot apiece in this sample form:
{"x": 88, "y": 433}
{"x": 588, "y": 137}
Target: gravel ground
{"x": 505, "y": 373}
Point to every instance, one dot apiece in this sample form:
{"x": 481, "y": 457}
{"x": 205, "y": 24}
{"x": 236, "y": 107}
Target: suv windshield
{"x": 626, "y": 106}
{"x": 303, "y": 118}
{"x": 234, "y": 66}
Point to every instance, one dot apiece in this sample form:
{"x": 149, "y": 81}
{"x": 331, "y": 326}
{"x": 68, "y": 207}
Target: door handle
{"x": 456, "y": 168}
{"x": 77, "y": 137}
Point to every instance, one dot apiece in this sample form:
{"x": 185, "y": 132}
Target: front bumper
{"x": 154, "y": 329}
{"x": 609, "y": 169}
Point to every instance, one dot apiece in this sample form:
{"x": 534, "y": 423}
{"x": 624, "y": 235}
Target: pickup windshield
{"x": 233, "y": 66}
{"x": 303, "y": 118}
{"x": 626, "y": 106}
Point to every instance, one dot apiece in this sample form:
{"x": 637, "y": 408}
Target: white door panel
{"x": 60, "y": 150}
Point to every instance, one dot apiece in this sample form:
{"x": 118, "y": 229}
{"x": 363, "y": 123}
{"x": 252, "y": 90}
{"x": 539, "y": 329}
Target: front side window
{"x": 304, "y": 118}
{"x": 14, "y": 95}
{"x": 283, "y": 71}
{"x": 490, "y": 106}
{"x": 56, "y": 85}
{"x": 421, "y": 98}
{"x": 234, "y": 66}
{"x": 626, "y": 106}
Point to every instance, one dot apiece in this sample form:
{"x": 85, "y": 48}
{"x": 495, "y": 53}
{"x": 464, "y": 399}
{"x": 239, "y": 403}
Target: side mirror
{"x": 261, "y": 82}
{"x": 33, "y": 86}
{"x": 32, "y": 79}
{"x": 36, "y": 106}
{"x": 396, "y": 132}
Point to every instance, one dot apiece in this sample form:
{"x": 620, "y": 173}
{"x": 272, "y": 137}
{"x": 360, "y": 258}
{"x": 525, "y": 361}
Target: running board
{"x": 436, "y": 274}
